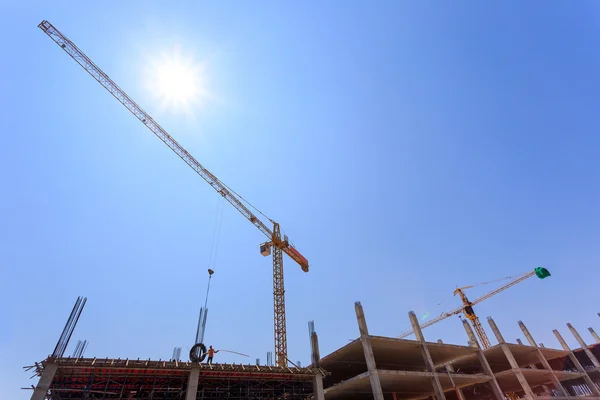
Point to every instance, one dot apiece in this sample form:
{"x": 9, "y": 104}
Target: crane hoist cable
{"x": 214, "y": 245}
{"x": 277, "y": 243}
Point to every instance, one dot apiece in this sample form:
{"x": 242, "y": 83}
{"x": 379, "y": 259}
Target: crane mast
{"x": 471, "y": 316}
{"x": 276, "y": 242}
{"x": 467, "y": 306}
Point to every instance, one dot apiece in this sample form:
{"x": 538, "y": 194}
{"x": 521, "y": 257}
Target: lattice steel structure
{"x": 92, "y": 378}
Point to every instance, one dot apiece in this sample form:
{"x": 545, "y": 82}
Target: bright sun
{"x": 177, "y": 82}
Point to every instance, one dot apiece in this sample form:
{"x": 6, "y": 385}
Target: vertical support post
{"x": 594, "y": 335}
{"x": 559, "y": 387}
{"x": 498, "y": 394}
{"x": 584, "y": 346}
{"x": 41, "y": 389}
{"x": 318, "y": 393}
{"x": 435, "y": 380}
{"x": 511, "y": 360}
{"x": 365, "y": 339}
{"x": 192, "y": 386}
{"x": 449, "y": 370}
{"x": 575, "y": 361}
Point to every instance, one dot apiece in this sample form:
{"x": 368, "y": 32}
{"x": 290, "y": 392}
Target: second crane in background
{"x": 467, "y": 306}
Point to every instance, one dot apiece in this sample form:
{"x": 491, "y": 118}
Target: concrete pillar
{"x": 559, "y": 387}
{"x": 435, "y": 381}
{"x": 318, "y": 393}
{"x": 511, "y": 360}
{"x": 41, "y": 389}
{"x": 368, "y": 350}
{"x": 575, "y": 361}
{"x": 584, "y": 346}
{"x": 192, "y": 386}
{"x": 546, "y": 390}
{"x": 498, "y": 394}
{"x": 594, "y": 335}
{"x": 449, "y": 370}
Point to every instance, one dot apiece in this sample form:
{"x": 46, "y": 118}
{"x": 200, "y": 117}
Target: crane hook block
{"x": 542, "y": 272}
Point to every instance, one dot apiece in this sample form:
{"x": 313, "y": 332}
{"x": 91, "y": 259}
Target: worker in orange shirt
{"x": 211, "y": 353}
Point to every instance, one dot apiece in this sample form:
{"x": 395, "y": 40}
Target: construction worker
{"x": 211, "y": 352}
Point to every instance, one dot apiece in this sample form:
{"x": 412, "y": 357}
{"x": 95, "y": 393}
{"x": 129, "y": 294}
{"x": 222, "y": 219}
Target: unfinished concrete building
{"x": 370, "y": 367}
{"x": 375, "y": 367}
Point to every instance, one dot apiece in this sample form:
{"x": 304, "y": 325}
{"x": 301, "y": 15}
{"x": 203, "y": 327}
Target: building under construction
{"x": 375, "y": 367}
{"x": 370, "y": 367}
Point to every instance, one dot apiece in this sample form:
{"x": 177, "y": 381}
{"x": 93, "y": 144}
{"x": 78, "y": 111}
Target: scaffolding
{"x": 92, "y": 378}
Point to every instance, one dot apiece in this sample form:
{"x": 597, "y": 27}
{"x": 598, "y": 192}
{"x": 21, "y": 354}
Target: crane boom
{"x": 279, "y": 245}
{"x": 503, "y": 288}
{"x": 467, "y": 306}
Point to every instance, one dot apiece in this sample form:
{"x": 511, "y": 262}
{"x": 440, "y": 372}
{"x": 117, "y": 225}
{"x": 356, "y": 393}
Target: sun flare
{"x": 177, "y": 82}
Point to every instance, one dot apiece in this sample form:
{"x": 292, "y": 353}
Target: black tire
{"x": 194, "y": 357}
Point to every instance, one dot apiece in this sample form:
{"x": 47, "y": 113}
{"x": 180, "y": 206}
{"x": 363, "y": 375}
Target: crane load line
{"x": 214, "y": 246}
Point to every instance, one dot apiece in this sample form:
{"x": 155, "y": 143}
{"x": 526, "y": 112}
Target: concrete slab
{"x": 524, "y": 355}
{"x": 535, "y": 377}
{"x": 346, "y": 362}
{"x": 405, "y": 384}
{"x": 392, "y": 353}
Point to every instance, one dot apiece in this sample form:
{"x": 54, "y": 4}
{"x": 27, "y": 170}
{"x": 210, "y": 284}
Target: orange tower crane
{"x": 467, "y": 306}
{"x": 276, "y": 242}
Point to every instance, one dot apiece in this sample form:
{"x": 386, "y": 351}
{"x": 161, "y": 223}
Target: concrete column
{"x": 584, "y": 346}
{"x": 511, "y": 360}
{"x": 498, "y": 394}
{"x": 559, "y": 387}
{"x": 316, "y": 362}
{"x": 192, "y": 386}
{"x": 41, "y": 389}
{"x": 450, "y": 369}
{"x": 594, "y": 335}
{"x": 368, "y": 350}
{"x": 435, "y": 381}
{"x": 575, "y": 361}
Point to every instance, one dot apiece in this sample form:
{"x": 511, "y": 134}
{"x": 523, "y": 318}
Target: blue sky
{"x": 405, "y": 147}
